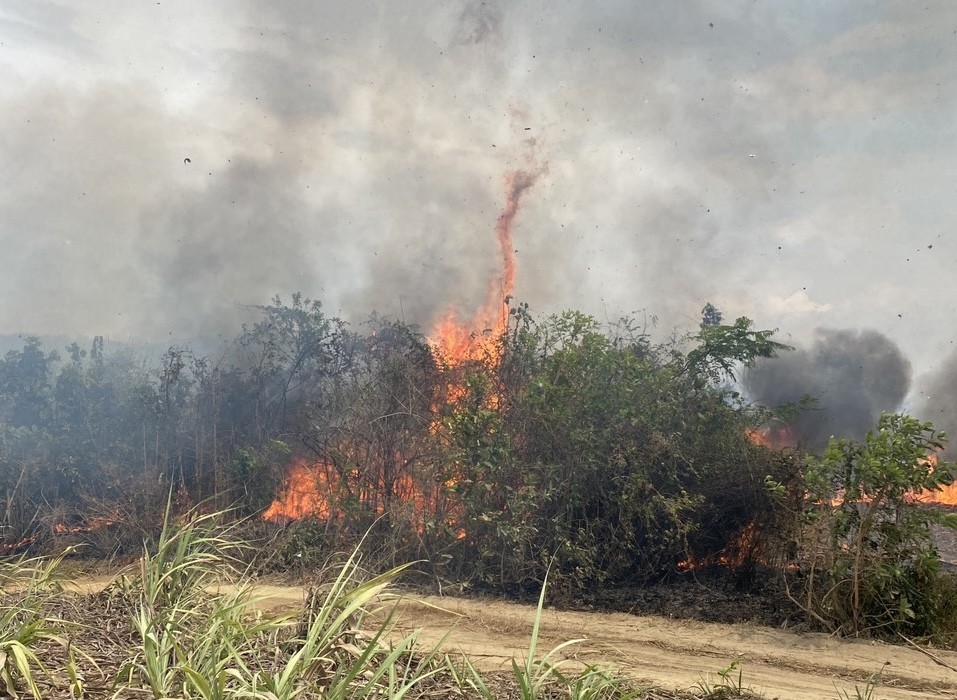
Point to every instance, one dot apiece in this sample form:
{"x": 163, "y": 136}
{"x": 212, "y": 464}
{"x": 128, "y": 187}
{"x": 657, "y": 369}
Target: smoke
{"x": 234, "y": 241}
{"x": 355, "y": 152}
{"x": 356, "y": 155}
{"x": 479, "y": 22}
{"x": 452, "y": 333}
{"x": 517, "y": 183}
{"x": 852, "y": 375}
{"x": 938, "y": 402}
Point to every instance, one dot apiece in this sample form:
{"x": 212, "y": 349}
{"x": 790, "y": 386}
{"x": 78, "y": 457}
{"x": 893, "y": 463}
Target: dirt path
{"x": 679, "y": 654}
{"x": 667, "y": 653}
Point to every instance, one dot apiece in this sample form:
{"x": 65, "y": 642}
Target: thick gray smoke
{"x": 357, "y": 154}
{"x": 938, "y": 402}
{"x": 168, "y": 165}
{"x": 852, "y": 375}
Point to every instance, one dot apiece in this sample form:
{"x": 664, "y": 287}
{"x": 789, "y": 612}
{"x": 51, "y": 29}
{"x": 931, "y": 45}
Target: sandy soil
{"x": 667, "y": 653}
{"x": 678, "y": 654}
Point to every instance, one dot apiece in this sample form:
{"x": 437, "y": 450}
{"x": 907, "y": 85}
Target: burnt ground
{"x": 712, "y": 595}
{"x": 709, "y": 596}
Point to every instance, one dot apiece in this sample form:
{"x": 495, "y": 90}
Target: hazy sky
{"x": 795, "y": 162}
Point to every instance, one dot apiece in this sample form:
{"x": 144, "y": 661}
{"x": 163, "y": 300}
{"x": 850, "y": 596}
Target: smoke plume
{"x": 939, "y": 401}
{"x": 851, "y": 375}
{"x": 160, "y": 180}
{"x": 451, "y": 332}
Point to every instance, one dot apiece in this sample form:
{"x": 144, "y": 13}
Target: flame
{"x": 947, "y": 496}
{"x": 305, "y": 493}
{"x": 10, "y": 548}
{"x": 454, "y": 340}
{"x": 92, "y": 525}
{"x": 782, "y": 438}
{"x": 736, "y": 553}
{"x": 779, "y": 437}
{"x": 310, "y": 489}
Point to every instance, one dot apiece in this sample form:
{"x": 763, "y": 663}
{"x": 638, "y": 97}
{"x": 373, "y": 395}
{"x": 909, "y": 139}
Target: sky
{"x": 165, "y": 165}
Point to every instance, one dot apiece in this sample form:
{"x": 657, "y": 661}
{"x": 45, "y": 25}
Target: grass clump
{"x": 867, "y": 691}
{"x": 178, "y": 632}
{"x": 27, "y": 585}
{"x": 195, "y": 638}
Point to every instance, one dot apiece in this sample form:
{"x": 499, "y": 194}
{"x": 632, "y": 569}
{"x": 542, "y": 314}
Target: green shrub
{"x": 872, "y": 567}
{"x": 617, "y": 458}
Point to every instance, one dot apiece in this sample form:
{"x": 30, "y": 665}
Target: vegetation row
{"x": 559, "y": 446}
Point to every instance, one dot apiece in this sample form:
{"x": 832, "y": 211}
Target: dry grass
{"x": 163, "y": 631}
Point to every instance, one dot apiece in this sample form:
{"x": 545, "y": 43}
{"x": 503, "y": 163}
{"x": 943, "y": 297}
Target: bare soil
{"x": 678, "y": 654}
{"x": 675, "y": 654}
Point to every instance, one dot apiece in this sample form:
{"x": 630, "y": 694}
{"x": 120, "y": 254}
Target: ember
{"x": 92, "y": 525}
{"x": 743, "y": 549}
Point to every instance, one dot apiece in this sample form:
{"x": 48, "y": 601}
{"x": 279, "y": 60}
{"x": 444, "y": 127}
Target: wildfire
{"x": 742, "y": 549}
{"x": 455, "y": 341}
{"x": 947, "y": 496}
{"x": 779, "y": 437}
{"x": 92, "y": 525}
{"x": 305, "y": 493}
{"x": 311, "y": 489}
{"x": 10, "y": 548}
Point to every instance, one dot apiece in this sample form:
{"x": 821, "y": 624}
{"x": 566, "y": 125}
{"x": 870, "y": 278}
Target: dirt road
{"x": 671, "y": 653}
{"x": 667, "y": 653}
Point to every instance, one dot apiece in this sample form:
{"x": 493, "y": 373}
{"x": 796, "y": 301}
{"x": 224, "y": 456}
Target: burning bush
{"x": 871, "y": 565}
{"x": 555, "y": 439}
{"x": 486, "y": 458}
{"x": 609, "y": 454}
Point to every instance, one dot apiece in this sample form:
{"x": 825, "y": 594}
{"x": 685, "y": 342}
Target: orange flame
{"x": 92, "y": 525}
{"x": 738, "y": 552}
{"x": 305, "y": 493}
{"x": 456, "y": 341}
{"x": 8, "y": 548}
{"x": 310, "y": 489}
{"x": 947, "y": 496}
{"x": 774, "y": 438}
